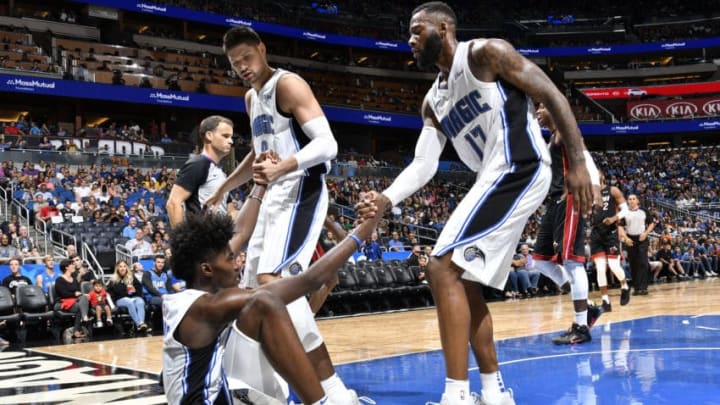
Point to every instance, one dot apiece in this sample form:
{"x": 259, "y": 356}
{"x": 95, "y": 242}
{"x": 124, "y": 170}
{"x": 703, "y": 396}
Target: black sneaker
{"x": 606, "y": 307}
{"x": 624, "y": 296}
{"x": 575, "y": 335}
{"x": 593, "y": 313}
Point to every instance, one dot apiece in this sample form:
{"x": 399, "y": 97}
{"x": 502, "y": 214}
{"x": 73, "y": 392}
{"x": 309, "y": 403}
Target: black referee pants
{"x": 638, "y": 260}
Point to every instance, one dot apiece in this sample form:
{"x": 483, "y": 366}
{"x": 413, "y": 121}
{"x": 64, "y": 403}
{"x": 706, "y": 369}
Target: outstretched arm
{"x": 504, "y": 61}
{"x": 291, "y": 288}
{"x": 428, "y": 148}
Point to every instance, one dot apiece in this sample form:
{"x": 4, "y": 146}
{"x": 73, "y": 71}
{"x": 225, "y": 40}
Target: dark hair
{"x": 196, "y": 240}
{"x": 97, "y": 282}
{"x": 238, "y": 36}
{"x": 210, "y": 124}
{"x": 64, "y": 263}
{"x": 437, "y": 7}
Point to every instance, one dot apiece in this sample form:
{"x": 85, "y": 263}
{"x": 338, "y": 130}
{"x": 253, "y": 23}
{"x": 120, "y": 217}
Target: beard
{"x": 430, "y": 53}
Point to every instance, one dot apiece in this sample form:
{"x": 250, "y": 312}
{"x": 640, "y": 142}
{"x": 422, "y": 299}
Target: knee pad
{"x": 304, "y": 322}
{"x": 601, "y": 268}
{"x": 616, "y": 268}
{"x": 579, "y": 280}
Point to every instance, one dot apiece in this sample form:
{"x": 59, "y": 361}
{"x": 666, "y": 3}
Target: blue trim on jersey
{"x": 208, "y": 376}
{"x": 188, "y": 360}
{"x": 506, "y": 126}
{"x": 289, "y": 233}
{"x": 463, "y": 241}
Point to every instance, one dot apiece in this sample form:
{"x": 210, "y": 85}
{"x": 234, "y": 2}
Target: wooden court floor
{"x": 368, "y": 337}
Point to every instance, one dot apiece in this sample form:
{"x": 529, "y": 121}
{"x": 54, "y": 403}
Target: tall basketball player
{"x": 287, "y": 119}
{"x": 481, "y": 102}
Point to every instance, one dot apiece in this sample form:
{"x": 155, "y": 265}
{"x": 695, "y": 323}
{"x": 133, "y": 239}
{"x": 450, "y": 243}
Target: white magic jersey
{"x": 191, "y": 375}
{"x": 275, "y": 130}
{"x": 491, "y": 124}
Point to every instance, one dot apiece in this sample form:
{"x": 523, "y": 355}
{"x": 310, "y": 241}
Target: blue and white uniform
{"x": 191, "y": 376}
{"x": 493, "y": 127}
{"x": 287, "y": 230}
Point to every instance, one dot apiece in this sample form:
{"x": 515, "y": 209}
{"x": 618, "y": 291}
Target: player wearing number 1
{"x": 481, "y": 102}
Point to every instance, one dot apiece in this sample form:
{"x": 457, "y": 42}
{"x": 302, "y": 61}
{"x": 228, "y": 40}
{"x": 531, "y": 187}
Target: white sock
{"x": 322, "y": 401}
{"x": 492, "y": 385}
{"x": 336, "y": 390}
{"x": 606, "y": 298}
{"x": 581, "y": 318}
{"x": 457, "y": 391}
{"x": 625, "y": 286}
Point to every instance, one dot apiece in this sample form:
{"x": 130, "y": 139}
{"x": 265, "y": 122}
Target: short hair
{"x": 64, "y": 263}
{"x": 437, "y": 7}
{"x": 196, "y": 240}
{"x": 97, "y": 282}
{"x": 210, "y": 124}
{"x": 240, "y": 35}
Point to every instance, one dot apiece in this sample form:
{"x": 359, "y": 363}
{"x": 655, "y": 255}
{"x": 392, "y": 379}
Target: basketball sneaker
{"x": 606, "y": 307}
{"x": 575, "y": 335}
{"x": 505, "y": 399}
{"x": 593, "y": 313}
{"x": 624, "y": 296}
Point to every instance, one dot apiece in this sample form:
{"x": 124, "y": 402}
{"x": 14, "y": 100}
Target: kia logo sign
{"x": 681, "y": 109}
{"x": 645, "y": 111}
{"x": 712, "y": 107}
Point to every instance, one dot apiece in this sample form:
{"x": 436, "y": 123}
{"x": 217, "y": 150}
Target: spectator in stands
{"x": 82, "y": 190}
{"x": 49, "y": 275}
{"x": 85, "y": 211}
{"x": 524, "y": 278}
{"x": 130, "y": 229}
{"x": 71, "y": 298}
{"x": 138, "y": 246}
{"x": 125, "y": 291}
{"x": 22, "y": 242}
{"x": 83, "y": 272}
{"x": 155, "y": 282}
{"x": 7, "y": 251}
{"x": 395, "y": 244}
{"x": 112, "y": 216}
{"x": 71, "y": 250}
{"x": 15, "y": 279}
{"x": 48, "y": 211}
{"x": 99, "y": 303}
{"x": 67, "y": 211}
{"x": 45, "y": 144}
{"x": 371, "y": 249}
{"x": 413, "y": 260}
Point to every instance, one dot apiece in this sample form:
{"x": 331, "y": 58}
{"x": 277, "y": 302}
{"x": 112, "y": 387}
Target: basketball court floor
{"x": 663, "y": 348}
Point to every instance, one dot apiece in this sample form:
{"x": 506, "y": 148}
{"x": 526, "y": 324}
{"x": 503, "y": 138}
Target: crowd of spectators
{"x": 674, "y": 184}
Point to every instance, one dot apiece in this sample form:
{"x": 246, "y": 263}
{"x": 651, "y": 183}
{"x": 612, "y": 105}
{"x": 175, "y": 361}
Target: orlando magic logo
{"x": 295, "y": 269}
{"x": 473, "y": 252}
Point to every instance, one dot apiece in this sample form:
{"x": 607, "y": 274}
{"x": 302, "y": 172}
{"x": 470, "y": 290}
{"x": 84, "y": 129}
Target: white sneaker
{"x": 356, "y": 400}
{"x": 505, "y": 399}
{"x": 98, "y": 324}
{"x": 444, "y": 400}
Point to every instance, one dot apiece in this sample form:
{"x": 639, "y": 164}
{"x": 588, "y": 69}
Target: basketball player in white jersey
{"x": 197, "y": 319}
{"x": 481, "y": 102}
{"x": 285, "y": 118}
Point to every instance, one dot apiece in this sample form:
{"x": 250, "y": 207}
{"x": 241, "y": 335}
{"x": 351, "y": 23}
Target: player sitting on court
{"x": 197, "y": 320}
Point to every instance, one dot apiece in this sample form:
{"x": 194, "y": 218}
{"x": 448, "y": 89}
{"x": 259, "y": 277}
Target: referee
{"x": 638, "y": 225}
